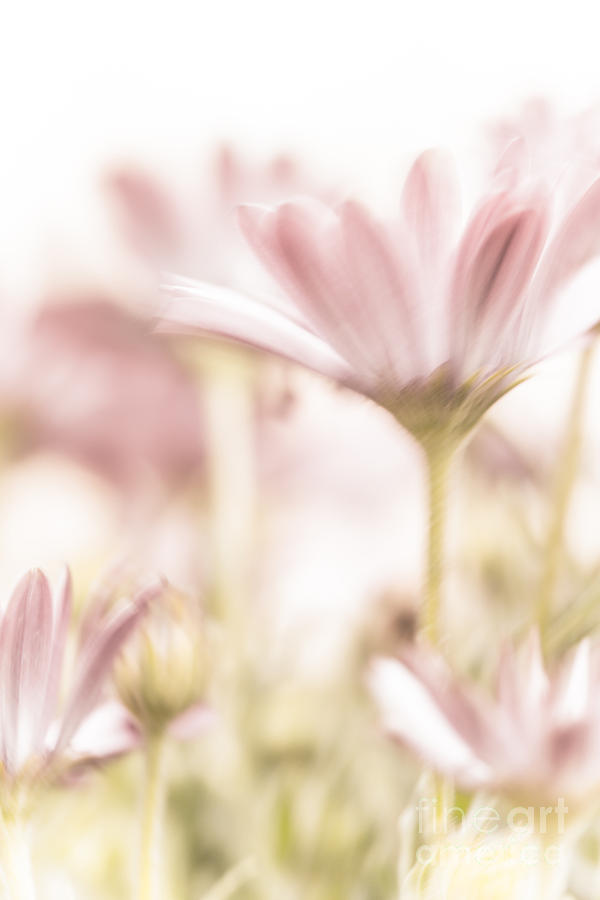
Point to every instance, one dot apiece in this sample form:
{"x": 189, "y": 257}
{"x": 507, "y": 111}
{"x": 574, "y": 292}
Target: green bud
{"x": 164, "y": 669}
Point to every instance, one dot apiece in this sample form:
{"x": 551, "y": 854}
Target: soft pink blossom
{"x": 37, "y": 731}
{"x": 411, "y": 311}
{"x": 537, "y": 737}
{"x": 562, "y": 149}
{"x": 88, "y": 380}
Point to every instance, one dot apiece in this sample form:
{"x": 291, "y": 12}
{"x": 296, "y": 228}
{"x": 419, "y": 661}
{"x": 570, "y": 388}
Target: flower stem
{"x": 229, "y": 400}
{"x": 566, "y": 473}
{"x": 16, "y": 875}
{"x": 150, "y": 872}
{"x": 438, "y": 464}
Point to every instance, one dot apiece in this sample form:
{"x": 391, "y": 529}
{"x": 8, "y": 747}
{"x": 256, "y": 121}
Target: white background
{"x": 353, "y": 84}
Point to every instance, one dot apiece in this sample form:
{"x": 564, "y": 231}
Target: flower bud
{"x": 164, "y": 669}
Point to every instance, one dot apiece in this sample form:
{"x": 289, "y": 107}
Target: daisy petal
{"x": 108, "y": 731}
{"x": 97, "y": 658}
{"x": 576, "y": 242}
{"x": 431, "y": 204}
{"x": 210, "y": 309}
{"x": 411, "y": 714}
{"x": 63, "y": 600}
{"x": 27, "y": 646}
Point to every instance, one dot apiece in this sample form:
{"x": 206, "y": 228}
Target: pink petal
{"x": 306, "y": 240}
{"x": 202, "y": 308}
{"x": 495, "y": 282}
{"x": 101, "y": 601}
{"x": 569, "y": 747}
{"x": 108, "y": 731}
{"x": 410, "y": 713}
{"x": 192, "y": 723}
{"x": 576, "y": 242}
{"x": 489, "y": 214}
{"x": 63, "y": 600}
{"x": 471, "y": 718}
{"x": 26, "y": 647}
{"x": 299, "y": 243}
{"x": 512, "y": 164}
{"x": 431, "y": 204}
{"x": 505, "y": 263}
{"x": 95, "y": 663}
{"x": 259, "y": 225}
{"x": 150, "y": 221}
{"x": 388, "y": 295}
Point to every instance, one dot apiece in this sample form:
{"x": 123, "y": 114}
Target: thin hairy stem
{"x": 438, "y": 464}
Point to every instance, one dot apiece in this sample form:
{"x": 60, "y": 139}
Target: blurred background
{"x": 293, "y": 510}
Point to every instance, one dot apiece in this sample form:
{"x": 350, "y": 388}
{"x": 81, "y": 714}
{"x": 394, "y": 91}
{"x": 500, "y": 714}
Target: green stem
{"x": 150, "y": 872}
{"x": 438, "y": 465}
{"x": 229, "y": 398}
{"x": 566, "y": 473}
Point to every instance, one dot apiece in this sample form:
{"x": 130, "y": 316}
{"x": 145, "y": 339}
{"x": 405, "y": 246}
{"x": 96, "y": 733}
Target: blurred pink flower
{"x": 188, "y": 225}
{"x": 536, "y": 739}
{"x": 406, "y": 314}
{"x": 563, "y": 150}
{"x": 89, "y": 381}
{"x": 35, "y": 735}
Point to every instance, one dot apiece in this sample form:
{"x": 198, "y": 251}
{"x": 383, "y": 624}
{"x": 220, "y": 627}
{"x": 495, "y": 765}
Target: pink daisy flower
{"x": 535, "y": 739}
{"x": 431, "y": 323}
{"x": 37, "y": 733}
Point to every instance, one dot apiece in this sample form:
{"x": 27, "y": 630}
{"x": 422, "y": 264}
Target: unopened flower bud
{"x": 163, "y": 671}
